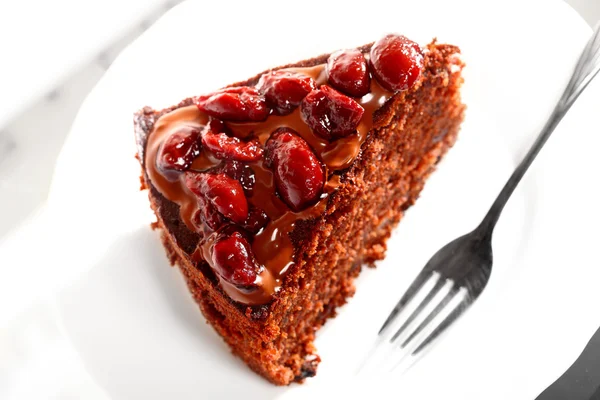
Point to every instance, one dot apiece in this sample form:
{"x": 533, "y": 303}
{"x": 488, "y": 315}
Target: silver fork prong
{"x": 431, "y": 315}
{"x": 410, "y": 353}
{"x": 585, "y": 70}
{"x": 581, "y": 63}
{"x": 420, "y": 289}
{"x": 595, "y": 41}
{"x": 583, "y": 84}
{"x": 457, "y": 312}
{"x": 438, "y": 286}
{"x": 410, "y": 293}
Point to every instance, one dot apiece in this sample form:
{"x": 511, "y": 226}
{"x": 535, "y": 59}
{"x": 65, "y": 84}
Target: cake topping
{"x": 225, "y": 194}
{"x": 299, "y": 175}
{"x": 232, "y": 258}
{"x": 241, "y": 172}
{"x": 347, "y": 72}
{"x": 234, "y": 104}
{"x": 206, "y": 214}
{"x": 223, "y": 146}
{"x": 245, "y": 164}
{"x": 257, "y": 219}
{"x": 396, "y": 62}
{"x": 330, "y": 113}
{"x": 284, "y": 90}
{"x": 178, "y": 152}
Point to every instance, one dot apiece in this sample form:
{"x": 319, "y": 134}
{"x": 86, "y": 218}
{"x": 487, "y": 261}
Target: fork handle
{"x": 585, "y": 70}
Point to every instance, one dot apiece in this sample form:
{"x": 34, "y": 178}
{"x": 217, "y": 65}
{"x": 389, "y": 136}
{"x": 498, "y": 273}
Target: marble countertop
{"x": 47, "y": 52}
{"x": 36, "y": 118}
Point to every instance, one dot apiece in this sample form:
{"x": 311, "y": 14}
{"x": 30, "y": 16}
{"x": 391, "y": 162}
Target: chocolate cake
{"x": 271, "y": 194}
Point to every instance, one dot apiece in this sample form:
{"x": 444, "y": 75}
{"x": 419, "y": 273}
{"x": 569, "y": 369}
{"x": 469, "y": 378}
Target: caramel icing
{"x": 272, "y": 245}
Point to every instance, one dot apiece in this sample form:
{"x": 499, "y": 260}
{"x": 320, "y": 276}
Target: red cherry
{"x": 234, "y": 104}
{"x": 207, "y": 215}
{"x": 233, "y": 260}
{"x": 397, "y": 62}
{"x": 215, "y": 139}
{"x": 256, "y": 220}
{"x": 330, "y": 113}
{"x": 284, "y": 90}
{"x": 242, "y": 173}
{"x": 347, "y": 72}
{"x": 178, "y": 152}
{"x": 299, "y": 175}
{"x": 222, "y": 192}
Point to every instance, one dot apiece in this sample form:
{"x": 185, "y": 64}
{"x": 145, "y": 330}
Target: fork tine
{"x": 581, "y": 76}
{"x": 435, "y": 290}
{"x": 431, "y": 315}
{"x": 410, "y": 293}
{"x": 583, "y": 60}
{"x": 444, "y": 307}
{"x": 457, "y": 312}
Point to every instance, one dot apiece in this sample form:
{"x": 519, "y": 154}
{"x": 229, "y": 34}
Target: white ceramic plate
{"x": 131, "y": 317}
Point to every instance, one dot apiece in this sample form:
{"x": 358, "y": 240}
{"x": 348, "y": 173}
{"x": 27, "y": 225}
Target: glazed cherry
{"x": 241, "y": 104}
{"x": 242, "y": 173}
{"x": 299, "y": 175}
{"x": 178, "y": 152}
{"x": 330, "y": 113}
{"x": 284, "y": 90}
{"x": 216, "y": 139}
{"x": 207, "y": 215}
{"x": 397, "y": 62}
{"x": 222, "y": 192}
{"x": 256, "y": 220}
{"x": 347, "y": 72}
{"x": 232, "y": 259}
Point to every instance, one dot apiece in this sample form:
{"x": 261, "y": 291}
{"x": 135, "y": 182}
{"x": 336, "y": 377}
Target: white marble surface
{"x": 589, "y": 9}
{"x": 30, "y": 142}
{"x": 36, "y": 360}
{"x": 42, "y": 52}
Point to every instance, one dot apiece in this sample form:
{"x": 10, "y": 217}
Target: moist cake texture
{"x": 271, "y": 194}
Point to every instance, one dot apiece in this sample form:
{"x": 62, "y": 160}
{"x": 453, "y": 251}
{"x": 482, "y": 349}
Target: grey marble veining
{"x": 7, "y": 146}
{"x": 31, "y": 143}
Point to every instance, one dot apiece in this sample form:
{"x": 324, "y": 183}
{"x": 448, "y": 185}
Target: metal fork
{"x": 457, "y": 274}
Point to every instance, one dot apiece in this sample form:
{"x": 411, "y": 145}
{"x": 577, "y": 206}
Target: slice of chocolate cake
{"x": 272, "y": 193}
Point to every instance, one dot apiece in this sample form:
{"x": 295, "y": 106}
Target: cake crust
{"x": 411, "y": 132}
